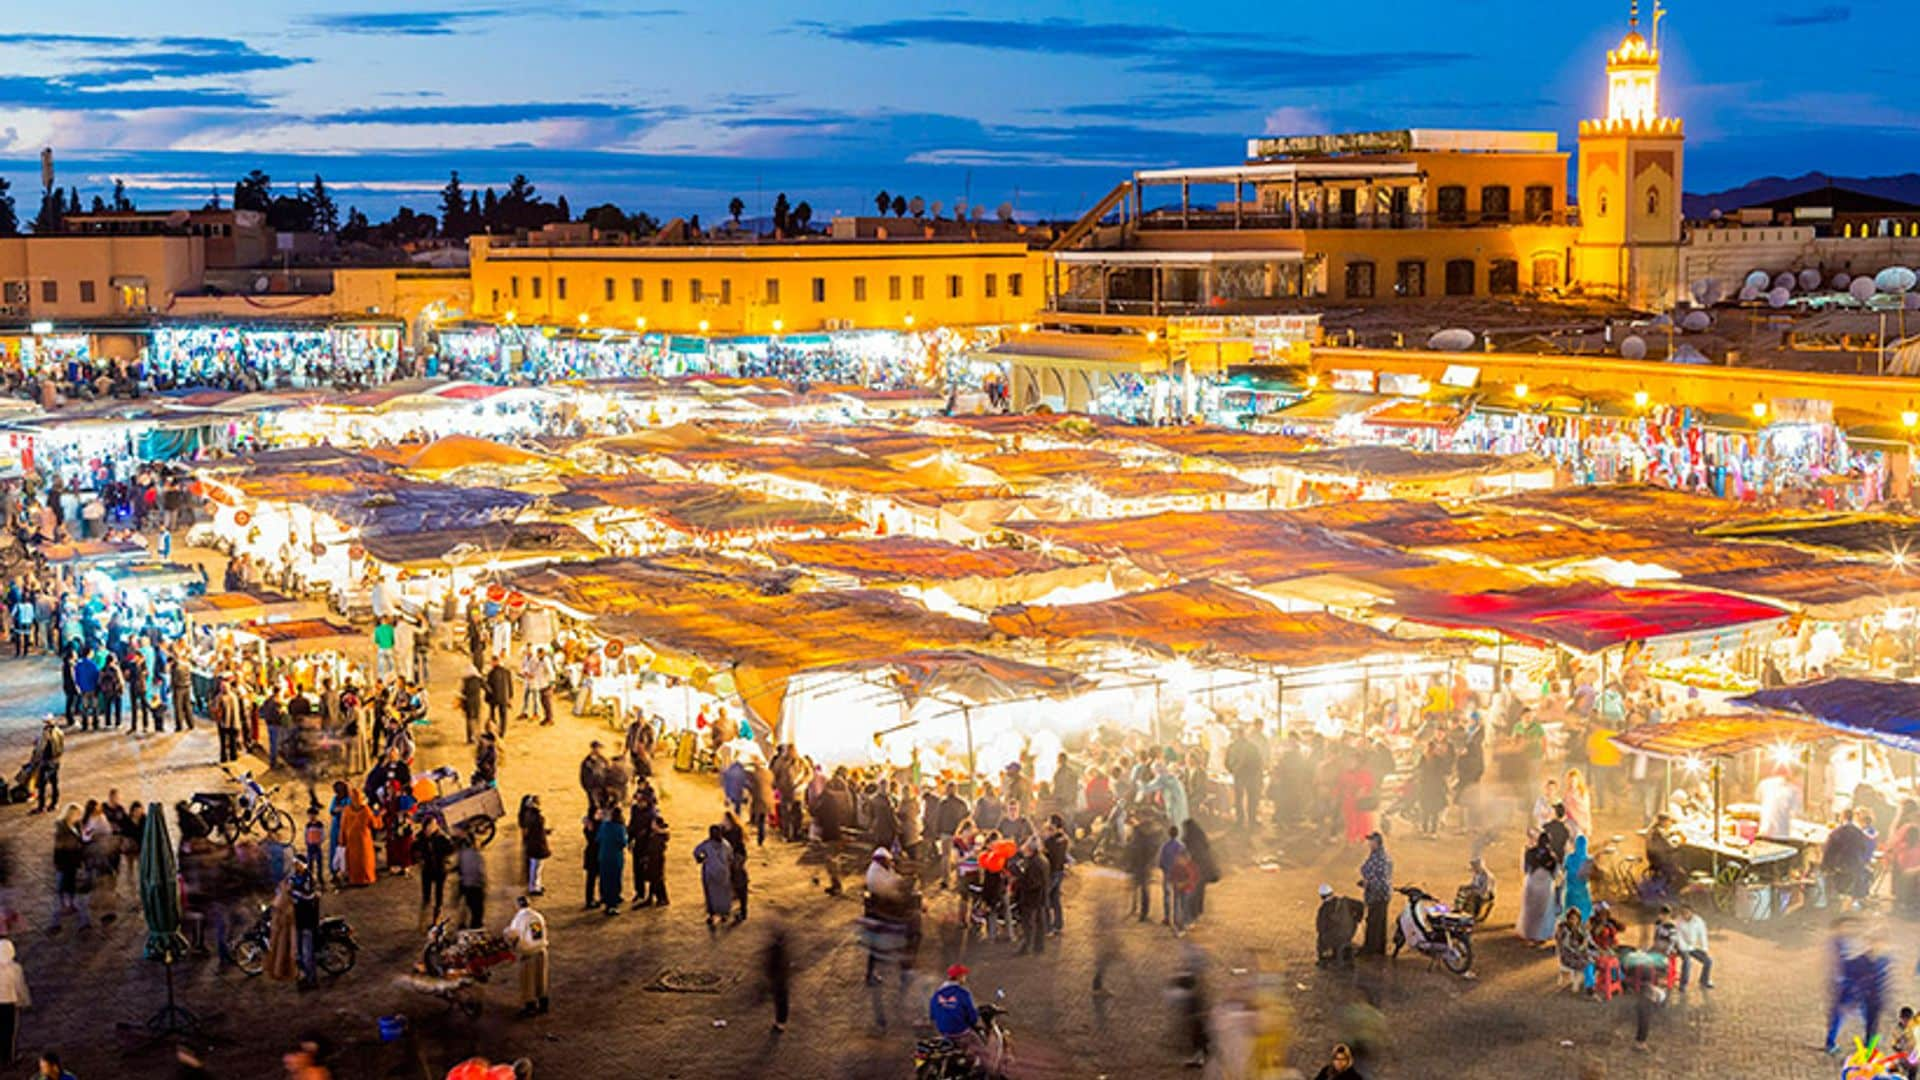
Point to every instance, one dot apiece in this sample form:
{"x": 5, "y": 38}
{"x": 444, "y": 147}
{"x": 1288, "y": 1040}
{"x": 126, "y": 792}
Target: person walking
{"x": 304, "y": 887}
{"x": 69, "y": 864}
{"x": 356, "y": 834}
{"x": 777, "y": 961}
{"x": 433, "y": 849}
{"x": 472, "y": 868}
{"x": 652, "y": 844}
{"x": 47, "y": 753}
{"x": 534, "y": 846}
{"x": 1143, "y": 848}
{"x": 226, "y": 721}
{"x": 283, "y": 953}
{"x": 474, "y": 697}
{"x": 1033, "y": 879}
{"x": 1577, "y": 889}
{"x": 715, "y": 857}
{"x": 1175, "y": 868}
{"x": 540, "y": 683}
{"x": 528, "y": 933}
{"x": 1538, "y": 912}
{"x": 499, "y": 697}
{"x": 1246, "y": 767}
{"x": 1376, "y": 883}
{"x": 14, "y": 997}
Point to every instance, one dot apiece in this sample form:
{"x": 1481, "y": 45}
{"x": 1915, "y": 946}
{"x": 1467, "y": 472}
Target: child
{"x": 316, "y": 837}
{"x": 1666, "y": 943}
{"x": 1605, "y": 931}
{"x": 1574, "y": 948}
{"x": 1906, "y": 1046}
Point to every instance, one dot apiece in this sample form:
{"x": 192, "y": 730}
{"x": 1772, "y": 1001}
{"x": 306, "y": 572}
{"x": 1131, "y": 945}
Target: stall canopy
{"x": 1587, "y": 618}
{"x": 407, "y": 508}
{"x": 1251, "y": 546}
{"x": 909, "y": 559}
{"x": 1885, "y": 536}
{"x": 452, "y": 453}
{"x": 1201, "y": 618}
{"x": 1718, "y": 736}
{"x": 498, "y": 542}
{"x": 1625, "y": 505}
{"x": 1827, "y": 590}
{"x": 706, "y": 621}
{"x": 962, "y": 677}
{"x": 1880, "y": 709}
{"x": 238, "y": 606}
{"x": 710, "y": 509}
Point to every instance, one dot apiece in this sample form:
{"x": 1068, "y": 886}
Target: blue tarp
{"x": 417, "y": 508}
{"x": 1882, "y": 709}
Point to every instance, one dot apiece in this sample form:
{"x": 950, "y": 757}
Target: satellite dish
{"x": 1785, "y": 281}
{"x": 1748, "y": 294}
{"x": 1841, "y": 280}
{"x": 1004, "y": 212}
{"x": 1809, "y": 280}
{"x": 1454, "y": 339}
{"x": 1862, "y": 289}
{"x": 1687, "y": 354}
{"x": 1707, "y": 292}
{"x": 1760, "y": 279}
{"x": 1660, "y": 321}
{"x": 1696, "y": 321}
{"x": 1895, "y": 279}
{"x": 261, "y": 283}
{"x": 1779, "y": 298}
{"x": 1633, "y": 347}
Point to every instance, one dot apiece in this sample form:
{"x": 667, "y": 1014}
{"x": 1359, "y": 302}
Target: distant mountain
{"x": 1905, "y": 187}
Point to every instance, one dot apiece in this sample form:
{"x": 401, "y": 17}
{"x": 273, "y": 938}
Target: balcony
{"x": 1174, "y": 220}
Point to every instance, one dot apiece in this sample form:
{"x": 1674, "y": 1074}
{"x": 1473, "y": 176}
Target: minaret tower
{"x": 1630, "y": 180}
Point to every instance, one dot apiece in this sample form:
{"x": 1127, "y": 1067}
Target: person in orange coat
{"x": 357, "y": 823}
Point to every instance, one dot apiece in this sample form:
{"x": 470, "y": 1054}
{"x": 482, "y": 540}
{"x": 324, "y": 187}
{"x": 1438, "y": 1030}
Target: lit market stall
{"x": 967, "y": 582}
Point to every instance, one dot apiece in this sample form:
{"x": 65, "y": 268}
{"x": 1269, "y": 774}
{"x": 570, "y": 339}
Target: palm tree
{"x": 736, "y": 208}
{"x": 882, "y": 201}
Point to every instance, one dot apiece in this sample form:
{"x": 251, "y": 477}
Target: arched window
{"x": 1653, "y": 201}
{"x": 1602, "y": 211}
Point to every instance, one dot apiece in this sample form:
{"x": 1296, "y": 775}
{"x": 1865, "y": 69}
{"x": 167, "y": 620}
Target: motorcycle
{"x": 335, "y": 950}
{"x": 941, "y": 1059}
{"x": 1474, "y": 903}
{"x": 1434, "y": 930}
{"x": 232, "y": 818}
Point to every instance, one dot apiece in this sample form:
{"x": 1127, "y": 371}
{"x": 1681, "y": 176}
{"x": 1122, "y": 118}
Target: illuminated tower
{"x": 1630, "y": 177}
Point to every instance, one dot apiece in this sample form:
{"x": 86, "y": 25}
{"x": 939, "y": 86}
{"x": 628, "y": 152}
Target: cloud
{"x": 119, "y": 74}
{"x": 1158, "y": 107}
{"x": 1293, "y": 120}
{"x": 509, "y": 113}
{"x": 1229, "y": 60}
{"x": 404, "y": 23}
{"x": 31, "y": 92}
{"x": 1820, "y": 16}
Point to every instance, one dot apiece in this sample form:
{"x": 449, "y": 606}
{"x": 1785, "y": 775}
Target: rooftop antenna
{"x": 1659, "y": 13}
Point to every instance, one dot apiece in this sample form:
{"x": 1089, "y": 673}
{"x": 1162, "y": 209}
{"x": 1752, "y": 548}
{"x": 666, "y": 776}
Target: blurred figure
{"x": 777, "y": 961}
{"x": 1187, "y": 995}
{"x": 1860, "y": 976}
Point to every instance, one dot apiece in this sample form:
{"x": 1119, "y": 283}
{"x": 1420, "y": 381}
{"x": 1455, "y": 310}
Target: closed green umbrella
{"x": 160, "y": 889}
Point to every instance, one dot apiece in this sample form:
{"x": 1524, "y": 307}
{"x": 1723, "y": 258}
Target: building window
{"x": 819, "y": 290}
{"x": 49, "y": 292}
{"x": 513, "y": 286}
{"x": 1653, "y": 201}
{"x": 919, "y": 287}
{"x": 536, "y": 287}
{"x": 893, "y": 287}
{"x": 726, "y": 291}
{"x": 1459, "y": 277}
{"x": 1359, "y": 281}
{"x": 1496, "y": 202}
{"x": 637, "y": 289}
{"x": 1546, "y": 272}
{"x": 560, "y": 288}
{"x": 859, "y": 290}
{"x": 1601, "y": 209}
{"x": 608, "y": 290}
{"x": 992, "y": 286}
{"x": 954, "y": 286}
{"x": 1014, "y": 285}
{"x": 1503, "y": 277}
{"x": 695, "y": 293}
{"x": 666, "y": 290}
{"x": 773, "y": 290}
{"x": 496, "y": 299}
{"x": 86, "y": 292}
{"x": 1410, "y": 278}
{"x": 1450, "y": 203}
{"x": 1539, "y": 206}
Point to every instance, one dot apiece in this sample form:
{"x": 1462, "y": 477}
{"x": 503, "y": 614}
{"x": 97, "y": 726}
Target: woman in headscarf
{"x": 715, "y": 857}
{"x": 282, "y": 964}
{"x": 610, "y": 842}
{"x": 357, "y": 823}
{"x": 1537, "y": 910}
{"x": 1579, "y": 896}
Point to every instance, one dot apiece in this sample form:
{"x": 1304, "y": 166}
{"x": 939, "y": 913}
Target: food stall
{"x": 1716, "y": 841}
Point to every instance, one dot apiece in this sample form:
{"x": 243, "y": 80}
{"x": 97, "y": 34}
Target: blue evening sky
{"x": 673, "y": 107}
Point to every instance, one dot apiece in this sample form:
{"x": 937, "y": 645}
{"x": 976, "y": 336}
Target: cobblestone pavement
{"x": 1765, "y": 1020}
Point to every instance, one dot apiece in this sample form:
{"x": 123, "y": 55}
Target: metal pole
{"x": 966, "y": 716}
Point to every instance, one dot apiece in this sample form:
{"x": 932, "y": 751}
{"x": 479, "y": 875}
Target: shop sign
{"x": 1404, "y": 384}
{"x": 1358, "y": 381}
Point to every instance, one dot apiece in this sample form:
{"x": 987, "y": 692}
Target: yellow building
{"x": 718, "y": 289}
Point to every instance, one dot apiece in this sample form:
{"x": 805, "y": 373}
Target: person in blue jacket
{"x": 953, "y": 1013}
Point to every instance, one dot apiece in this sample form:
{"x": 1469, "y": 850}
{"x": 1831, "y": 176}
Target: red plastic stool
{"x": 1606, "y": 976}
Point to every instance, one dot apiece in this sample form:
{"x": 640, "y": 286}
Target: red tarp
{"x": 1587, "y": 618}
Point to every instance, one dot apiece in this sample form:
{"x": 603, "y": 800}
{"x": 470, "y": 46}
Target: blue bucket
{"x": 393, "y": 1027}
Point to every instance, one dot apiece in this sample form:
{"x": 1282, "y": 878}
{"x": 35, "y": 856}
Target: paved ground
{"x": 1764, "y": 1021}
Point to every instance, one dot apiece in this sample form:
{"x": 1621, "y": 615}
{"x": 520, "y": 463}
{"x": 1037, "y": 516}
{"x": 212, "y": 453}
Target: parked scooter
{"x": 334, "y": 947}
{"x": 1435, "y": 930}
{"x": 941, "y": 1059}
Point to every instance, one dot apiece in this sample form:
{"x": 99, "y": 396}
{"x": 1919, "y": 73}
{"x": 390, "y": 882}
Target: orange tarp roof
{"x": 1028, "y": 464}
{"x": 744, "y": 621}
{"x": 1254, "y": 546}
{"x": 1200, "y": 618}
{"x": 1144, "y": 484}
{"x": 1627, "y": 504}
{"x": 451, "y": 452}
{"x": 906, "y": 558}
{"x": 1718, "y": 736}
{"x": 710, "y": 508}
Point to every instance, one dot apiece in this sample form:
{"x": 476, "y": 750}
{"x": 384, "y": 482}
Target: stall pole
{"x": 1280, "y": 705}
{"x": 1716, "y": 818}
{"x": 966, "y": 716}
{"x": 1157, "y": 684}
